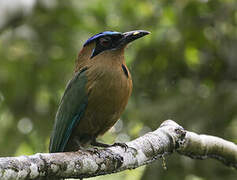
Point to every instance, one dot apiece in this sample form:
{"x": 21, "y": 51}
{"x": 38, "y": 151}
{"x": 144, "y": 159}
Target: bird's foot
{"x": 99, "y": 144}
{"x": 94, "y": 150}
{"x": 123, "y": 145}
{"x": 91, "y": 150}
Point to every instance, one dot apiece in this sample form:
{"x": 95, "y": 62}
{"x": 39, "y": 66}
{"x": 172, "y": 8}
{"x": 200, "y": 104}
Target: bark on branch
{"x": 168, "y": 138}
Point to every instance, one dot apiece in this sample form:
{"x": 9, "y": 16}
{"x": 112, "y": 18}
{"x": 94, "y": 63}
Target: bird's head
{"x": 112, "y": 40}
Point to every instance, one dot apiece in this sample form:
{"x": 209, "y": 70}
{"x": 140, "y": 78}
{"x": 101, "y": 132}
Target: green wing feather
{"x": 70, "y": 111}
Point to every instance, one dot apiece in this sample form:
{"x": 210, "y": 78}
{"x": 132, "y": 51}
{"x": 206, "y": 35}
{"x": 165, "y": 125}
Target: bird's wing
{"x": 70, "y": 111}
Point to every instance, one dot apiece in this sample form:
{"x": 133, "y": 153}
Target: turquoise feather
{"x": 71, "y": 109}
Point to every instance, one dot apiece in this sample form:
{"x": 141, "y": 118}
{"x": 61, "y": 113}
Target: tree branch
{"x": 168, "y": 138}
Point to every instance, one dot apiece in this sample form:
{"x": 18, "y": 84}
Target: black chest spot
{"x": 125, "y": 70}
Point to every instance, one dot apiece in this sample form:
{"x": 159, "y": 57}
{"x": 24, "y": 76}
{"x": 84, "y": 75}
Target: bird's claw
{"x": 123, "y": 145}
{"x": 94, "y": 150}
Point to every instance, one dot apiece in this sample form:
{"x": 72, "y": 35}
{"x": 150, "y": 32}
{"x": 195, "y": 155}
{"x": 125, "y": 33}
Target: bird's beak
{"x": 132, "y": 35}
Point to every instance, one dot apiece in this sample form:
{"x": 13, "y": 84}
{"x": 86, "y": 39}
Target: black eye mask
{"x": 105, "y": 43}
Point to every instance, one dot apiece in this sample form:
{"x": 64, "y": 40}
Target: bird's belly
{"x": 107, "y": 99}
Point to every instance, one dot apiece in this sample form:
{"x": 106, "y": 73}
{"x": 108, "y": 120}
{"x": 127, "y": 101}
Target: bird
{"x": 97, "y": 94}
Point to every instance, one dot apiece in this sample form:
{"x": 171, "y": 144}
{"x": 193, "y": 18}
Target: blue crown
{"x": 105, "y": 33}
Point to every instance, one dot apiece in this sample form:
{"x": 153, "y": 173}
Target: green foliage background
{"x": 184, "y": 70}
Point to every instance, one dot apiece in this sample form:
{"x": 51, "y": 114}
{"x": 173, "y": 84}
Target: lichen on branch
{"x": 168, "y": 138}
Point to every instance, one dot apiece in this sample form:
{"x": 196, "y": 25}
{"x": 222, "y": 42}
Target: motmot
{"x": 96, "y": 96}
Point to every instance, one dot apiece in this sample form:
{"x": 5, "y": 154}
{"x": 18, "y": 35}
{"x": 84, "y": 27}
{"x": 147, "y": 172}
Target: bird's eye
{"x": 105, "y": 42}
